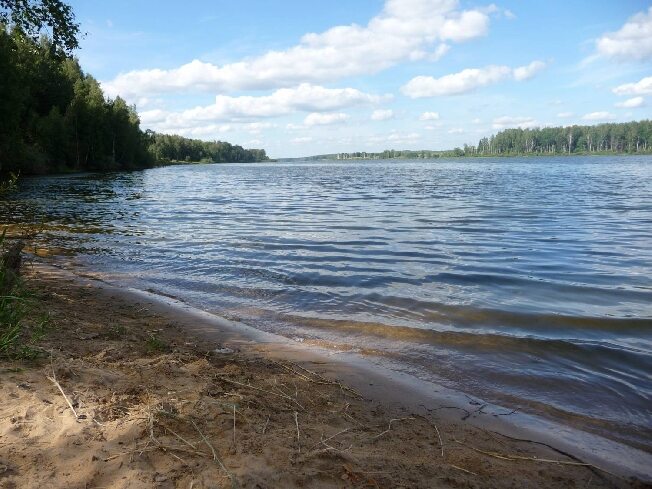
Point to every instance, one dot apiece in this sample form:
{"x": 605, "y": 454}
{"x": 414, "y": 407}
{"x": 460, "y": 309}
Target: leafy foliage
{"x": 32, "y": 17}
{"x": 630, "y": 137}
{"x": 54, "y": 117}
{"x": 167, "y": 148}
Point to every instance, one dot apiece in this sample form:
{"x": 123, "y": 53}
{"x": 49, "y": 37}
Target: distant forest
{"x": 166, "y": 149}
{"x": 628, "y": 138}
{"x": 54, "y": 117}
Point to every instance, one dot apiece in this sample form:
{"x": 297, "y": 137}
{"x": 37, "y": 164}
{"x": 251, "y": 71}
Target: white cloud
{"x": 641, "y": 87}
{"x": 284, "y": 101}
{"x": 526, "y": 72}
{"x": 382, "y": 115}
{"x": 258, "y": 127}
{"x": 599, "y": 116}
{"x": 429, "y": 116}
{"x": 301, "y": 140}
{"x": 207, "y": 131}
{"x": 509, "y": 14}
{"x": 456, "y": 130}
{"x": 565, "y": 115}
{"x": 477, "y": 121}
{"x": 404, "y": 30}
{"x": 505, "y": 122}
{"x": 632, "y": 42}
{"x": 632, "y": 103}
{"x": 400, "y": 137}
{"x": 317, "y": 119}
{"x": 468, "y": 80}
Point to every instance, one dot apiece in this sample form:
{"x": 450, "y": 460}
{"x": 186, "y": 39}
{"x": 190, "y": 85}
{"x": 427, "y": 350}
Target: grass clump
{"x": 156, "y": 344}
{"x": 17, "y": 340}
{"x": 13, "y": 300}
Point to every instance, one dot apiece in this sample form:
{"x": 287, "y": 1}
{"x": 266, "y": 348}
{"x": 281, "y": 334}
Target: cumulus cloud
{"x": 505, "y": 122}
{"x": 404, "y": 30}
{"x": 318, "y": 119}
{"x": 382, "y": 115}
{"x": 641, "y": 87}
{"x": 456, "y": 130}
{"x": 528, "y": 71}
{"x": 632, "y": 103}
{"x": 468, "y": 80}
{"x": 284, "y": 101}
{"x": 565, "y": 115}
{"x": 633, "y": 41}
{"x": 401, "y": 137}
{"x": 301, "y": 140}
{"x": 599, "y": 116}
{"x": 429, "y": 116}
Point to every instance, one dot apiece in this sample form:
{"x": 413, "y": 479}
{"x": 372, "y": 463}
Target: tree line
{"x": 628, "y": 137}
{"x": 167, "y": 148}
{"x": 613, "y": 138}
{"x": 54, "y": 117}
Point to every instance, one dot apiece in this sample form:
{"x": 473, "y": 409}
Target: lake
{"x": 525, "y": 281}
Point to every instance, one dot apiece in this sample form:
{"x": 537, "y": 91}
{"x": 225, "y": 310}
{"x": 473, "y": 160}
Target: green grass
{"x": 17, "y": 340}
{"x": 156, "y": 344}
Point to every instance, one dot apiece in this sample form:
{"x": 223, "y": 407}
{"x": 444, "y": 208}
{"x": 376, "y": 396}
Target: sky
{"x": 301, "y": 78}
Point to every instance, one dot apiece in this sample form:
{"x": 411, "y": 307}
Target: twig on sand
{"x": 323, "y": 441}
{"x": 322, "y": 379}
{"x": 54, "y": 380}
{"x": 152, "y": 448}
{"x": 265, "y": 427}
{"x": 296, "y": 421}
{"x": 234, "y": 483}
{"x": 389, "y": 428}
{"x": 462, "y": 469}
{"x": 166, "y": 428}
{"x": 234, "y": 425}
{"x": 282, "y": 396}
{"x": 516, "y": 458}
{"x": 441, "y": 443}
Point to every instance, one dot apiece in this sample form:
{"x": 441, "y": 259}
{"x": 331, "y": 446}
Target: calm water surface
{"x": 525, "y": 281}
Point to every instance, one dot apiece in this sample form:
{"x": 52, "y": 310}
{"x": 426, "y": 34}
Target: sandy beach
{"x": 126, "y": 395}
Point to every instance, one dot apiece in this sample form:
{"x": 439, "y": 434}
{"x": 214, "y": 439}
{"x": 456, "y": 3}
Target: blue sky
{"x": 302, "y": 78}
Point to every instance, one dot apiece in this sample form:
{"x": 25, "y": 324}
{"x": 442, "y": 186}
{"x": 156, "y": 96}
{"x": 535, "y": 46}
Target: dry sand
{"x": 125, "y": 396}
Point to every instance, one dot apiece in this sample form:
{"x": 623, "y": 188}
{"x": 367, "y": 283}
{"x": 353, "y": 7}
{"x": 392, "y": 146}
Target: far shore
{"x": 135, "y": 390}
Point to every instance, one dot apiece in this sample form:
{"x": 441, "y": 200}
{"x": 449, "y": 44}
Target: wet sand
{"x": 160, "y": 395}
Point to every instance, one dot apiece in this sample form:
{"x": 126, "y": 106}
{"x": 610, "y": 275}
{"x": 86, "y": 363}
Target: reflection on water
{"x": 523, "y": 280}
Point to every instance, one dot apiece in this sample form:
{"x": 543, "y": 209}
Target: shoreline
{"x": 390, "y": 391}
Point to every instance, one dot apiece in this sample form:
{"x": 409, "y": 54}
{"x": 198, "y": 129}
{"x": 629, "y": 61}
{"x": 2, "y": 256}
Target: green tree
{"x": 33, "y": 17}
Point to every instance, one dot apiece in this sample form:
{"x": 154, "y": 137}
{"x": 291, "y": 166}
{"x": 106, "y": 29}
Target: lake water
{"x": 527, "y": 282}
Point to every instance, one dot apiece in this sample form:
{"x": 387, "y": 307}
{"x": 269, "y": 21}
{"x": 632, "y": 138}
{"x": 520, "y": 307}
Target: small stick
{"x": 440, "y": 441}
{"x": 265, "y": 427}
{"x": 283, "y": 396}
{"x": 234, "y": 425}
{"x": 329, "y": 438}
{"x": 296, "y": 421}
{"x": 179, "y": 437}
{"x": 215, "y": 457}
{"x": 389, "y": 428}
{"x": 515, "y": 458}
{"x": 53, "y": 379}
{"x": 463, "y": 470}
